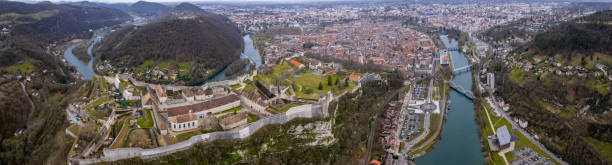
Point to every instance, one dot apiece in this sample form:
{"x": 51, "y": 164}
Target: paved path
{"x": 525, "y": 133}
{"x": 35, "y": 123}
{"x": 493, "y": 129}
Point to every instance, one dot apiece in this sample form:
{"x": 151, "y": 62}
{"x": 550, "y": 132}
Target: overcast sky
{"x": 131, "y": 1}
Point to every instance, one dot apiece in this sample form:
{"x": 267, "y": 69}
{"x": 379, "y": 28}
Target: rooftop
{"x": 503, "y": 135}
{"x": 201, "y": 106}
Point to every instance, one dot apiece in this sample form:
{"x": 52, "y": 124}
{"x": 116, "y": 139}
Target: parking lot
{"x": 527, "y": 156}
{"x": 418, "y": 93}
{"x": 411, "y": 126}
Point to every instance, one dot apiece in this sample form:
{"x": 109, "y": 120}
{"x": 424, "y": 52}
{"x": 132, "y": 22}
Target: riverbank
{"x": 430, "y": 142}
{"x": 81, "y": 52}
{"x": 84, "y": 68}
{"x": 460, "y": 141}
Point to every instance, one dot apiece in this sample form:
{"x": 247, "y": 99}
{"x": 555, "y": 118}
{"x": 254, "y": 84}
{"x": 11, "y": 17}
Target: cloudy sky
{"x": 131, "y": 1}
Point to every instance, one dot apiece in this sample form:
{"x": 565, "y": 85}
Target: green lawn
{"x": 146, "y": 121}
{"x": 285, "y": 108}
{"x": 187, "y": 135}
{"x": 97, "y": 102}
{"x": 235, "y": 86}
{"x": 309, "y": 81}
{"x": 249, "y": 87}
{"x": 435, "y": 122}
{"x": 120, "y": 139}
{"x": 235, "y": 109}
{"x": 601, "y": 88}
{"x": 14, "y": 17}
{"x": 277, "y": 71}
{"x": 499, "y": 122}
{"x": 424, "y": 148}
{"x": 26, "y": 67}
{"x": 252, "y": 118}
{"x": 517, "y": 75}
{"x": 74, "y": 128}
{"x": 605, "y": 148}
{"x": 103, "y": 83}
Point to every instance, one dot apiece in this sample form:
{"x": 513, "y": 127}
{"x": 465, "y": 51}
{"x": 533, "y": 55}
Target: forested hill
{"x": 160, "y": 11}
{"x": 149, "y": 9}
{"x": 206, "y": 40}
{"x": 188, "y": 8}
{"x": 586, "y": 35}
{"x": 32, "y": 109}
{"x": 48, "y": 23}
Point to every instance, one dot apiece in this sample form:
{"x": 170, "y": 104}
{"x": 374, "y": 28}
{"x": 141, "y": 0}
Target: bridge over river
{"x": 461, "y": 90}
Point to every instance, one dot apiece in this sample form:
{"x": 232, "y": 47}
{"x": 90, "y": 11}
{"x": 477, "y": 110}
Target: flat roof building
{"x": 503, "y": 136}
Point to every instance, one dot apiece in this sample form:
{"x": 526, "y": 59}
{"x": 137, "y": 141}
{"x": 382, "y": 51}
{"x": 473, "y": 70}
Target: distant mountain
{"x": 188, "y": 8}
{"x": 207, "y": 40}
{"x": 120, "y": 6}
{"x": 47, "y": 23}
{"x": 149, "y": 9}
{"x": 45, "y": 2}
{"x": 159, "y": 11}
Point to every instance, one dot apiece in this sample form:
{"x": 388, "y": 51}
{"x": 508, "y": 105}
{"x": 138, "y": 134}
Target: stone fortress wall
{"x": 318, "y": 110}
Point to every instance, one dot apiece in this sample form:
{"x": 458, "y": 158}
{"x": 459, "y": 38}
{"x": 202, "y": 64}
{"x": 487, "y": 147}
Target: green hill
{"x": 32, "y": 115}
{"x": 47, "y": 23}
{"x": 586, "y": 35}
{"x": 570, "y": 111}
{"x": 149, "y": 9}
{"x": 208, "y": 41}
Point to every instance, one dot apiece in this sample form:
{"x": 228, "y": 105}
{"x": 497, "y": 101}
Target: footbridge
{"x": 462, "y": 69}
{"x": 461, "y": 90}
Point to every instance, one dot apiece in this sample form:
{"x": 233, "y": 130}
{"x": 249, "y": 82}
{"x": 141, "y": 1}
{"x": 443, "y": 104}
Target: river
{"x": 86, "y": 68}
{"x": 460, "y": 143}
{"x": 249, "y": 52}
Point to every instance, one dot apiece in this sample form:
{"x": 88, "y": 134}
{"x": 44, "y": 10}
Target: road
{"x": 421, "y": 136}
{"x": 439, "y": 129}
{"x": 35, "y": 123}
{"x": 373, "y": 128}
{"x": 525, "y": 133}
{"x": 493, "y": 130}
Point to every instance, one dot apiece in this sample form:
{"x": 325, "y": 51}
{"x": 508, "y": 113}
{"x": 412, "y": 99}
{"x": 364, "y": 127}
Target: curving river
{"x": 249, "y": 52}
{"x": 86, "y": 70}
{"x": 460, "y": 143}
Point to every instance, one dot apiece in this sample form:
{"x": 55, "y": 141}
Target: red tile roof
{"x": 202, "y": 105}
{"x": 296, "y": 63}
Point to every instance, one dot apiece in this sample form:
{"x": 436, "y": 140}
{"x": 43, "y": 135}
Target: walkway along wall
{"x": 318, "y": 110}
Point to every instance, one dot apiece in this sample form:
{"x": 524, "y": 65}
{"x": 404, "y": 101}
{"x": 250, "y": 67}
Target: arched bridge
{"x": 461, "y": 90}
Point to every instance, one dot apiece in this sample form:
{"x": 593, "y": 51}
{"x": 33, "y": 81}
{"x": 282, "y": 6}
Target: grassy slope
{"x": 146, "y": 121}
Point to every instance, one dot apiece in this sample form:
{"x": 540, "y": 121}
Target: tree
{"x": 337, "y": 81}
{"x": 320, "y": 86}
{"x": 346, "y": 83}
{"x": 329, "y": 81}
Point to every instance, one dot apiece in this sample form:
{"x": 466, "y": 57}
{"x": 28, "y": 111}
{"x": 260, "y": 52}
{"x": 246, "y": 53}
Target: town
{"x": 390, "y": 83}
